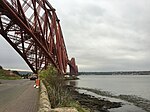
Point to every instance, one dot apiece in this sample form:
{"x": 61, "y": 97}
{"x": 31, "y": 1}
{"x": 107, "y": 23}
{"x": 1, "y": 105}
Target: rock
{"x": 93, "y": 103}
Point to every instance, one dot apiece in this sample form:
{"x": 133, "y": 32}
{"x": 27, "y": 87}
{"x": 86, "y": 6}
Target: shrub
{"x": 54, "y": 82}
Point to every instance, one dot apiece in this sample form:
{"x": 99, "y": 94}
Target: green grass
{"x": 4, "y": 74}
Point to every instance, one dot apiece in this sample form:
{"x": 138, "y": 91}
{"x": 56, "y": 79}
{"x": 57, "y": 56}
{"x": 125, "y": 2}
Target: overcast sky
{"x": 103, "y": 35}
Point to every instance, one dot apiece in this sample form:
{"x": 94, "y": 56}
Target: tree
{"x": 1, "y": 67}
{"x": 16, "y": 72}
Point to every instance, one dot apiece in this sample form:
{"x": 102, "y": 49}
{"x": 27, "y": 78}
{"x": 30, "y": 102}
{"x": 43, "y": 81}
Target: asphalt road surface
{"x": 18, "y": 96}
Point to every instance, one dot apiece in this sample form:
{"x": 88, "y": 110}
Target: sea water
{"x": 138, "y": 85}
{"x": 118, "y": 84}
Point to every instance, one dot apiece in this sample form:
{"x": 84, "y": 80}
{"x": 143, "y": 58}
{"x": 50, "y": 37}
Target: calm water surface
{"x": 118, "y": 84}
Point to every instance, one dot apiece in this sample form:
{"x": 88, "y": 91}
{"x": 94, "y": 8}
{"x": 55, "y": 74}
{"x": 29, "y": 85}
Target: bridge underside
{"x": 32, "y": 28}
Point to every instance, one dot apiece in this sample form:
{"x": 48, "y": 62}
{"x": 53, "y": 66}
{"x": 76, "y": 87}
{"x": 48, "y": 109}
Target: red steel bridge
{"x": 33, "y": 29}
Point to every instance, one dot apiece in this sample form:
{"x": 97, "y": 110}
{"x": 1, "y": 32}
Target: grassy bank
{"x": 59, "y": 95}
{"x": 8, "y": 75}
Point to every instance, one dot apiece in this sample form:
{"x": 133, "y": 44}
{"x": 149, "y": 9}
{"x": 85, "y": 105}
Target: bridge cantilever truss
{"x": 32, "y": 28}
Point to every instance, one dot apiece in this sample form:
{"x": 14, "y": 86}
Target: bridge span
{"x": 33, "y": 29}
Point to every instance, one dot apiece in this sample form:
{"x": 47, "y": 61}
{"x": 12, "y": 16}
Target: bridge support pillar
{"x": 73, "y": 67}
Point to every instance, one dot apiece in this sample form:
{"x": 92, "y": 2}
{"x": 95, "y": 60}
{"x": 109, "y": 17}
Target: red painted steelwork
{"x": 33, "y": 29}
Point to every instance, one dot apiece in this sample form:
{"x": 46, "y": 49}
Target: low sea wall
{"x": 44, "y": 103}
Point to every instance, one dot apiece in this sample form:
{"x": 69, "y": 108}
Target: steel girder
{"x": 32, "y": 28}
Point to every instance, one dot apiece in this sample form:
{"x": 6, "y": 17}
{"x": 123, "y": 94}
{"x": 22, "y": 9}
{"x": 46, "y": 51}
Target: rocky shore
{"x": 92, "y": 103}
{"x": 135, "y": 100}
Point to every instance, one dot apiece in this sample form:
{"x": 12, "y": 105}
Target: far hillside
{"x": 8, "y": 75}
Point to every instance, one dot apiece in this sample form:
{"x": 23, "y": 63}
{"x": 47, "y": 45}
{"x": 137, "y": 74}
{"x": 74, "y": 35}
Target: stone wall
{"x": 44, "y": 103}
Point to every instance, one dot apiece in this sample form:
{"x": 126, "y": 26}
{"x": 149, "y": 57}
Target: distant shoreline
{"x": 117, "y": 73}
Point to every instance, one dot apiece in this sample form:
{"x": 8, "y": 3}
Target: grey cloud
{"x": 106, "y": 35}
{"x": 9, "y": 58}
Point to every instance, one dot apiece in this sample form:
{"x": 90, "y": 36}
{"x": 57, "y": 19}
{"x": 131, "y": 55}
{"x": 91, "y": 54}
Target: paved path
{"x": 18, "y": 96}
